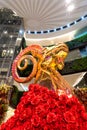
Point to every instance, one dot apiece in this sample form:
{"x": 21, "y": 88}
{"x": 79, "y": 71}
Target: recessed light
{"x": 70, "y": 8}
{"x": 75, "y": 22}
{"x": 68, "y": 25}
{"x": 35, "y": 32}
{"x": 82, "y": 17}
{"x": 28, "y": 31}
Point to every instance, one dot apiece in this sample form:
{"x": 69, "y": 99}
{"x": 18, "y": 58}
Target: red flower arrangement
{"x": 43, "y": 109}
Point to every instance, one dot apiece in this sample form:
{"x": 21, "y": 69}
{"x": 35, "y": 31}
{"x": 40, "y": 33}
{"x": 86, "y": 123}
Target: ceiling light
{"x": 75, "y": 22}
{"x": 48, "y": 31}
{"x": 11, "y": 51}
{"x": 61, "y": 27}
{"x": 41, "y": 32}
{"x": 11, "y": 36}
{"x": 70, "y": 8}
{"x": 35, "y": 32}
{"x": 5, "y": 32}
{"x": 55, "y": 30}
{"x": 68, "y": 1}
{"x": 82, "y": 17}
{"x": 68, "y": 25}
{"x": 28, "y": 31}
{"x": 21, "y": 31}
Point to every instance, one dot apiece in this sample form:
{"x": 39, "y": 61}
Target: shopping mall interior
{"x": 42, "y": 42}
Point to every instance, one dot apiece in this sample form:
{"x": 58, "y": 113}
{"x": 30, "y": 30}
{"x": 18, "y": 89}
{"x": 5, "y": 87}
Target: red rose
{"x": 27, "y": 126}
{"x": 72, "y": 127}
{"x": 70, "y": 102}
{"x": 69, "y": 117}
{"x": 84, "y": 115}
{"x": 17, "y": 128}
{"x": 34, "y": 87}
{"x": 35, "y": 100}
{"x": 63, "y": 98}
{"x": 51, "y": 117}
{"x": 40, "y": 109}
{"x": 35, "y": 120}
{"x": 84, "y": 125}
{"x": 52, "y": 103}
{"x": 27, "y": 113}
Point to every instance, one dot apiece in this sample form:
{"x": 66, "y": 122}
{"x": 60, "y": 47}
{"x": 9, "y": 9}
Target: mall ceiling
{"x": 49, "y": 18}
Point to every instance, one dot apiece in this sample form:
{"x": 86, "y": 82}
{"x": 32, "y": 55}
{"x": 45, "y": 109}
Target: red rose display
{"x": 43, "y": 109}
